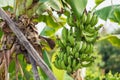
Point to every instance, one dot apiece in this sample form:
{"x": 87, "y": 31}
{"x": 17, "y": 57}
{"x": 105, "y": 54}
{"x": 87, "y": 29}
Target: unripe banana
{"x": 56, "y": 64}
{"x": 77, "y": 46}
{"x": 69, "y": 49}
{"x": 64, "y": 42}
{"x": 97, "y": 28}
{"x": 77, "y": 42}
{"x": 78, "y": 23}
{"x": 90, "y": 39}
{"x": 69, "y": 69}
{"x": 86, "y": 33}
{"x": 94, "y": 20}
{"x": 81, "y": 27}
{"x": 91, "y": 48}
{"x": 84, "y": 45}
{"x": 77, "y": 67}
{"x": 86, "y": 64}
{"x": 78, "y": 33}
{"x": 74, "y": 63}
{"x": 88, "y": 18}
{"x": 91, "y": 30}
{"x": 83, "y": 18}
{"x": 59, "y": 63}
{"x": 71, "y": 40}
{"x": 64, "y": 33}
{"x": 60, "y": 44}
{"x": 65, "y": 58}
{"x": 87, "y": 27}
{"x": 61, "y": 54}
{"x": 63, "y": 66}
{"x": 70, "y": 21}
{"x": 87, "y": 48}
{"x": 69, "y": 60}
{"x": 77, "y": 55}
{"x": 74, "y": 50}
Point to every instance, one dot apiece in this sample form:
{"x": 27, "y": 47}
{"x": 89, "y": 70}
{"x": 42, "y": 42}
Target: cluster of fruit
{"x": 77, "y": 43}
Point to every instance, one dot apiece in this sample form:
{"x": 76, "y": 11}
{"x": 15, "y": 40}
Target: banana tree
{"x": 22, "y": 47}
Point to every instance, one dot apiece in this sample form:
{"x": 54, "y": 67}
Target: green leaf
{"x": 46, "y": 58}
{"x": 77, "y": 6}
{"x": 53, "y": 24}
{"x": 47, "y": 31}
{"x": 114, "y": 39}
{"x": 55, "y": 4}
{"x": 43, "y": 0}
{"x": 42, "y": 8}
{"x": 8, "y": 8}
{"x": 116, "y": 14}
{"x": 21, "y": 6}
{"x": 4, "y": 3}
{"x": 97, "y": 2}
{"x": 107, "y": 12}
{"x": 47, "y": 61}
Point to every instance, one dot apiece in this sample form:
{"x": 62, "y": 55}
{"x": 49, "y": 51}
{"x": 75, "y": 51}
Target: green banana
{"x": 77, "y": 33}
{"x": 69, "y": 69}
{"x": 64, "y": 42}
{"x": 77, "y": 67}
{"x": 86, "y": 64}
{"x": 56, "y": 64}
{"x": 87, "y": 27}
{"x": 94, "y": 20}
{"x": 64, "y": 33}
{"x": 91, "y": 30}
{"x": 87, "y": 48}
{"x": 71, "y": 39}
{"x": 70, "y": 21}
{"x": 59, "y": 63}
{"x": 84, "y": 45}
{"x": 81, "y": 27}
{"x": 69, "y": 49}
{"x": 77, "y": 46}
{"x": 77, "y": 55}
{"x": 77, "y": 41}
{"x": 60, "y": 44}
{"x": 85, "y": 33}
{"x": 63, "y": 66}
{"x": 90, "y": 39}
{"x": 97, "y": 28}
{"x": 88, "y": 18}
{"x": 91, "y": 48}
{"x": 65, "y": 58}
{"x": 69, "y": 60}
{"x": 74, "y": 50}
{"x": 74, "y": 63}
{"x": 61, "y": 54}
{"x": 83, "y": 18}
{"x": 78, "y": 23}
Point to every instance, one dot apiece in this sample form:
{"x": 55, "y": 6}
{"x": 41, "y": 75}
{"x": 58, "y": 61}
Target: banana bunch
{"x": 77, "y": 43}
